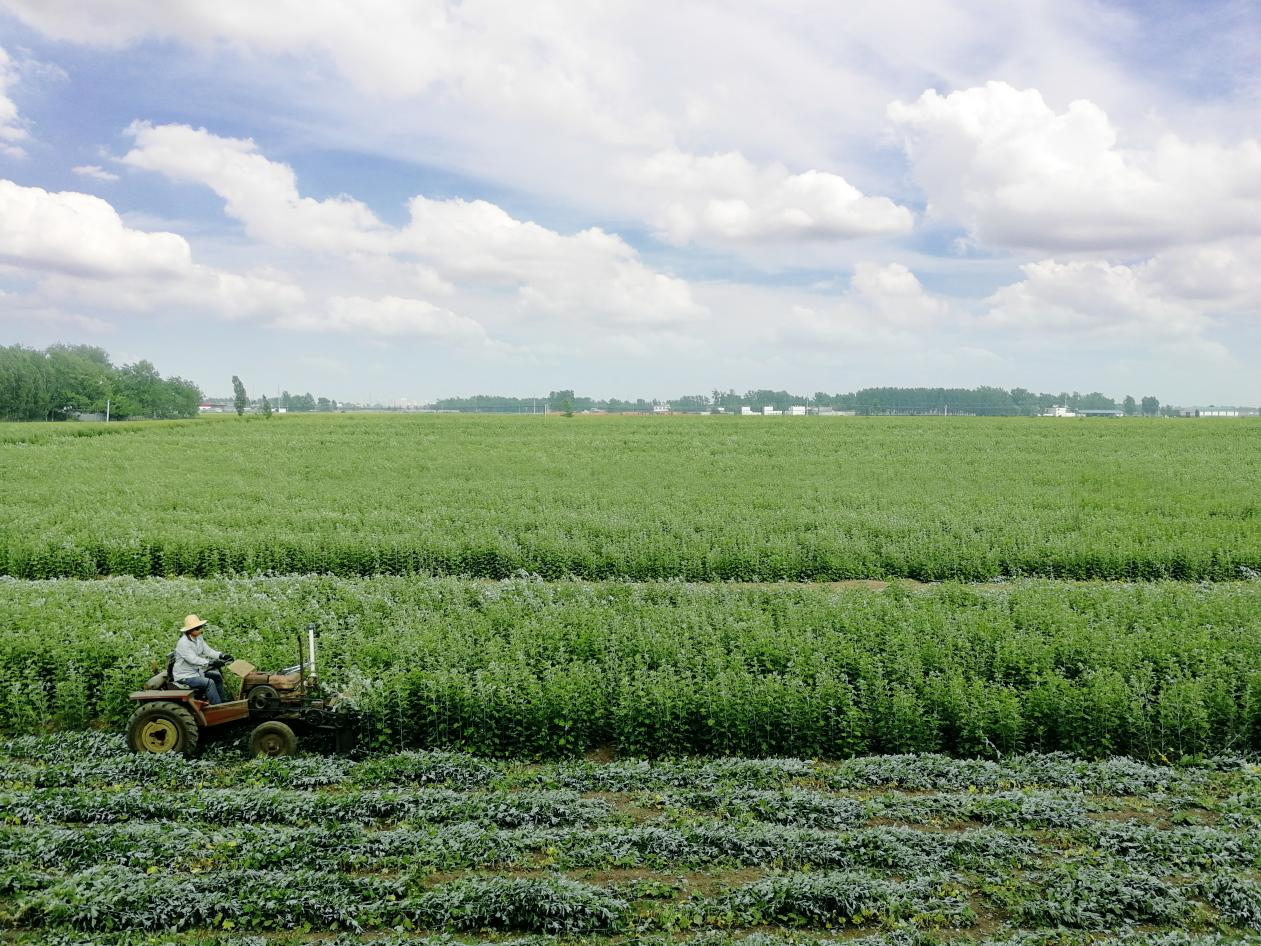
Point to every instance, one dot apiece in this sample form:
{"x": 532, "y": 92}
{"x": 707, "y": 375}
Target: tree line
{"x": 885, "y": 400}
{"x": 64, "y": 381}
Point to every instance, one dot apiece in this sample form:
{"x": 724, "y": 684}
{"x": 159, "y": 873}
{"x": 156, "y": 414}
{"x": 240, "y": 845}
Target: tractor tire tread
{"x": 287, "y": 736}
{"x": 183, "y": 719}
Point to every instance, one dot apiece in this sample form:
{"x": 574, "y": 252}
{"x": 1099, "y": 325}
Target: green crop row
{"x": 89, "y": 760}
{"x": 702, "y": 499}
{"x": 899, "y": 935}
{"x": 698, "y": 863}
{"x": 524, "y": 668}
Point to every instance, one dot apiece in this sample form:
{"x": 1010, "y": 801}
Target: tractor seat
{"x": 164, "y": 681}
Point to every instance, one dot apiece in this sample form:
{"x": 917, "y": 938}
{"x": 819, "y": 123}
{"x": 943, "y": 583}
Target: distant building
{"x": 797, "y": 410}
{"x": 746, "y": 411}
{"x": 769, "y": 411}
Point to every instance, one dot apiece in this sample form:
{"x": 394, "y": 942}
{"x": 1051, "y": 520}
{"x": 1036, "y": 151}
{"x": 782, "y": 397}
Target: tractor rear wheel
{"x": 272, "y": 739}
{"x": 162, "y": 727}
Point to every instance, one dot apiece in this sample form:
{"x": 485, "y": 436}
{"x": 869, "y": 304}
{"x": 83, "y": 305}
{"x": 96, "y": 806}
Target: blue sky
{"x": 411, "y": 200}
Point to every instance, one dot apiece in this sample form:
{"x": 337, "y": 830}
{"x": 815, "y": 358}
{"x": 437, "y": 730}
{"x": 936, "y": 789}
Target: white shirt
{"x": 192, "y": 657}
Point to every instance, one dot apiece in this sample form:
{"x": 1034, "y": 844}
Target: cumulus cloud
{"x": 95, "y": 173}
{"x": 727, "y": 197}
{"x": 12, "y": 134}
{"x": 885, "y": 306}
{"x": 589, "y": 273}
{"x": 1223, "y": 274}
{"x": 1094, "y": 301}
{"x": 1002, "y": 163}
{"x": 477, "y": 244}
{"x": 262, "y": 194}
{"x": 81, "y": 235}
{"x": 389, "y": 316}
{"x": 87, "y": 254}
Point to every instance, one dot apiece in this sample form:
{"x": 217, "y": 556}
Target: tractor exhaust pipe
{"x": 310, "y": 636}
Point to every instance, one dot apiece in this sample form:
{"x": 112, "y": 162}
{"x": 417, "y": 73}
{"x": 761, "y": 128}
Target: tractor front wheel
{"x": 272, "y": 739}
{"x": 162, "y": 727}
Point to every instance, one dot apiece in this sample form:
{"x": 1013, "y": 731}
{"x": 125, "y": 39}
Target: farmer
{"x": 197, "y": 663}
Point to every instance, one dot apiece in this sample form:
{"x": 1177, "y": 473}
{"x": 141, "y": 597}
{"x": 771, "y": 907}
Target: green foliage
{"x": 522, "y": 668}
{"x": 701, "y": 498}
{"x": 1103, "y": 898}
{"x": 65, "y": 380}
{"x": 113, "y": 845}
{"x": 837, "y": 899}
{"x": 543, "y": 904}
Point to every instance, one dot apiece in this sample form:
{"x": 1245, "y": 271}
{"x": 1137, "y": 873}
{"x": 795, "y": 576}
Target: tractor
{"x": 272, "y": 708}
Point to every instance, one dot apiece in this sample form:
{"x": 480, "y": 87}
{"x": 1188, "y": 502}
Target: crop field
{"x": 616, "y": 690}
{"x": 100, "y": 846}
{"x": 526, "y": 668}
{"x": 700, "y": 499}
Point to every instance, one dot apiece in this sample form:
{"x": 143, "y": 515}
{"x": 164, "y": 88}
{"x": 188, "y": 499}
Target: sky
{"x": 412, "y": 199}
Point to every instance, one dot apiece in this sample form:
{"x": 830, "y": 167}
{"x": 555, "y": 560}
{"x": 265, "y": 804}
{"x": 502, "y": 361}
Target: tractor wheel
{"x": 273, "y": 738}
{"x": 263, "y": 697}
{"x": 162, "y": 727}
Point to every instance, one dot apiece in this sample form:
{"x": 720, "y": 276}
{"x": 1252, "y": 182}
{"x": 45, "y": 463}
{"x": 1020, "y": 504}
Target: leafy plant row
{"x": 669, "y": 844}
{"x": 899, "y": 934}
{"x": 672, "y": 844}
{"x": 765, "y": 844}
{"x": 701, "y": 499}
{"x": 1103, "y": 896}
{"x": 527, "y": 669}
{"x": 280, "y": 806}
{"x": 98, "y": 759}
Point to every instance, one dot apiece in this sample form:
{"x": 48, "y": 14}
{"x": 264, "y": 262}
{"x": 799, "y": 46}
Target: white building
{"x": 797, "y": 410}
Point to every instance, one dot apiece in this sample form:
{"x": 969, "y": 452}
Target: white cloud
{"x": 260, "y": 193}
{"x": 1000, "y": 162}
{"x": 591, "y": 274}
{"x": 1095, "y": 302}
{"x": 12, "y": 134}
{"x": 88, "y": 255}
{"x": 726, "y": 197}
{"x": 201, "y": 289}
{"x": 95, "y": 173}
{"x": 389, "y": 316}
{"x": 81, "y": 235}
{"x": 893, "y": 294}
{"x": 537, "y": 59}
{"x": 885, "y": 307}
{"x": 1223, "y": 275}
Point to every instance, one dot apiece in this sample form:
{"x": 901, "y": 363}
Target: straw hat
{"x": 191, "y": 623}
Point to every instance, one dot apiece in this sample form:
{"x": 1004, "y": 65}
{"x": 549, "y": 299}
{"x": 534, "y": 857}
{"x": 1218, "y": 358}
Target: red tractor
{"x": 273, "y": 708}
